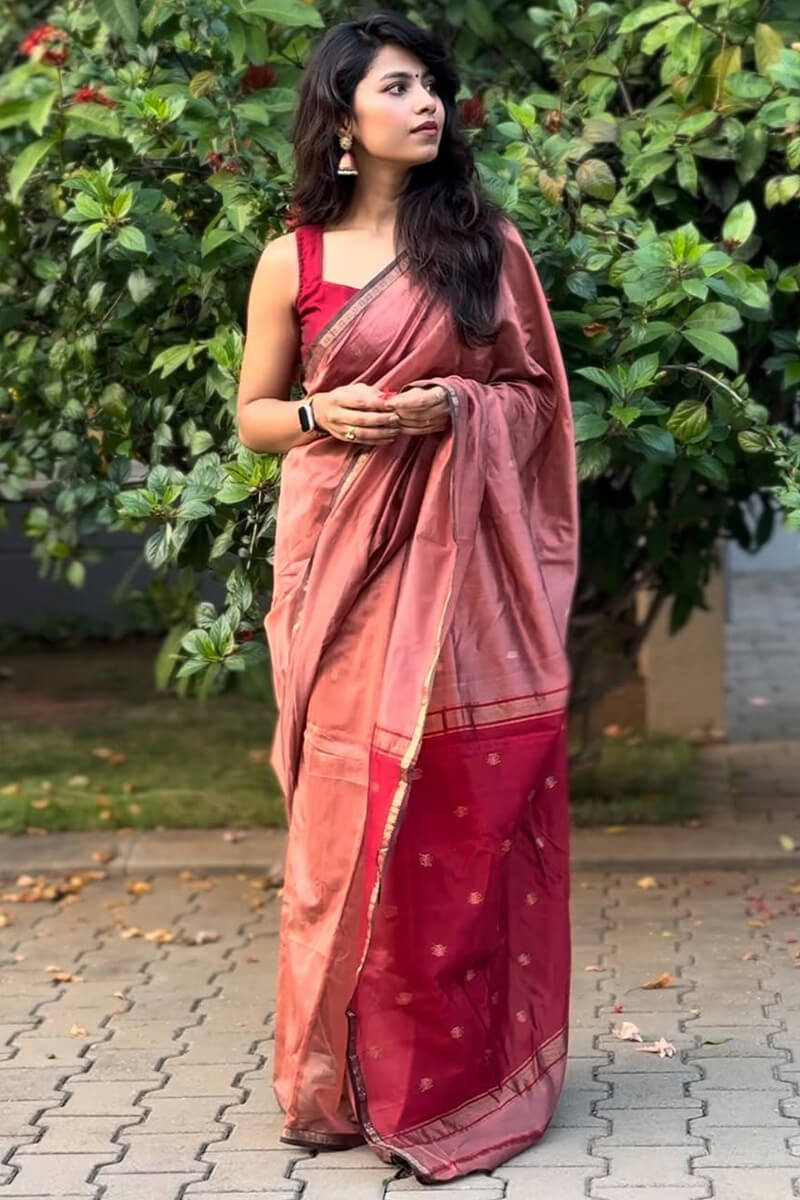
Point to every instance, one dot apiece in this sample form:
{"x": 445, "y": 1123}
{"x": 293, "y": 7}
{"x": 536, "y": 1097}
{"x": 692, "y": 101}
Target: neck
{"x": 376, "y": 196}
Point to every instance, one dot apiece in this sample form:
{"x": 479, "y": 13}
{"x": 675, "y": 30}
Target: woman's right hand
{"x": 361, "y": 406}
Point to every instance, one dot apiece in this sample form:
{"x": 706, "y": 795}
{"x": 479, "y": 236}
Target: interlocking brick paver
{"x": 168, "y": 1094}
{"x": 366, "y": 1183}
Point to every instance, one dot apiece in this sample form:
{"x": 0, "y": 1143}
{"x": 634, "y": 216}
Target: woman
{"x": 424, "y": 565}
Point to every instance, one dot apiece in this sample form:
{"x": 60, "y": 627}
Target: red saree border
{"x": 487, "y": 1107}
{"x": 470, "y": 718}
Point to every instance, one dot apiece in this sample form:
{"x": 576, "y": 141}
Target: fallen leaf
{"x": 627, "y": 1032}
{"x": 130, "y": 931}
{"x": 102, "y": 752}
{"x": 202, "y": 936}
{"x": 25, "y": 881}
{"x": 749, "y": 955}
{"x": 118, "y": 758}
{"x": 661, "y": 981}
{"x": 715, "y": 1041}
{"x": 794, "y": 888}
{"x": 65, "y": 977}
{"x": 251, "y": 958}
{"x": 186, "y": 876}
{"x": 40, "y": 803}
{"x": 255, "y": 902}
{"x": 5, "y": 919}
{"x": 594, "y": 967}
{"x": 103, "y": 856}
{"x": 615, "y": 828}
{"x": 78, "y": 1031}
{"x": 647, "y": 881}
{"x": 258, "y": 756}
{"x": 787, "y": 842}
{"x": 11, "y": 789}
{"x": 662, "y": 1048}
{"x": 668, "y": 933}
{"x": 139, "y": 887}
{"x": 134, "y": 809}
{"x": 128, "y": 787}
{"x": 78, "y": 781}
{"x": 160, "y": 935}
{"x": 45, "y": 786}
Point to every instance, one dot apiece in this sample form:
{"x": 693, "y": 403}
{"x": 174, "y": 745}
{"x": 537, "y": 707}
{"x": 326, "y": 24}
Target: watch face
{"x": 306, "y": 416}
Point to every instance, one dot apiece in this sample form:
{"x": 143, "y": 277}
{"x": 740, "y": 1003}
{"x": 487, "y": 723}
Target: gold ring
{"x": 351, "y": 434}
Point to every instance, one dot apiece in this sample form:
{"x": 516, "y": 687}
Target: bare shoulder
{"x": 276, "y": 270}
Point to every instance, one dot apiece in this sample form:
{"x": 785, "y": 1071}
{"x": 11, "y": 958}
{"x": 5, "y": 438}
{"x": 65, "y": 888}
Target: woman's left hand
{"x": 421, "y": 409}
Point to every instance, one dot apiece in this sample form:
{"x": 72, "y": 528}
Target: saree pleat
{"x": 417, "y": 631}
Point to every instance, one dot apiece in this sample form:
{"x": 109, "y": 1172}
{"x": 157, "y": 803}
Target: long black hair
{"x": 449, "y": 228}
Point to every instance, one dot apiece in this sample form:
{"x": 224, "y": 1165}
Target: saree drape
{"x": 417, "y": 633}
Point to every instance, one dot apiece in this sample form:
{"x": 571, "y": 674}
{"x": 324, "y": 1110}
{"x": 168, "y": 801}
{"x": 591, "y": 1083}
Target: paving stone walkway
{"x": 147, "y": 1078}
{"x": 762, "y": 639}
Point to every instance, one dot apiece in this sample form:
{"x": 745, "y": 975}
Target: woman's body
{"x": 424, "y": 565}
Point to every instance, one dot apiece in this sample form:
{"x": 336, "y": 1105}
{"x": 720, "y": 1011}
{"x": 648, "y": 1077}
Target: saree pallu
{"x": 417, "y": 632}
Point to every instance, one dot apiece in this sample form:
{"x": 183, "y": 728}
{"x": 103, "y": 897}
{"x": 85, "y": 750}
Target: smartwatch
{"x": 305, "y": 415}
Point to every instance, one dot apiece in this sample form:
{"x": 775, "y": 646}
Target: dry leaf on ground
{"x": 662, "y": 1048}
{"x": 647, "y": 881}
{"x": 627, "y": 1032}
{"x": 139, "y": 887}
{"x": 660, "y": 981}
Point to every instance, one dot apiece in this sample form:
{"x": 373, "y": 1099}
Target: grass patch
{"x": 186, "y": 765}
{"x": 628, "y": 781}
{"x": 191, "y": 765}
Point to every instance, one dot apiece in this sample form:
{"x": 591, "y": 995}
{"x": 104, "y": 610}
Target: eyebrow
{"x": 404, "y": 75}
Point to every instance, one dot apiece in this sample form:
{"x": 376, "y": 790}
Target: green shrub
{"x": 650, "y": 153}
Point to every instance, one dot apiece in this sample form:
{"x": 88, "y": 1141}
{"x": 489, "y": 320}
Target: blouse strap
{"x": 309, "y": 257}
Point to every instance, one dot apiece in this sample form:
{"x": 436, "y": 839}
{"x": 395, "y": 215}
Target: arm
{"x": 267, "y": 419}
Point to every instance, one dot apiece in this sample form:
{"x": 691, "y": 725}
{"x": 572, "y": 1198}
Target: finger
{"x": 365, "y": 419}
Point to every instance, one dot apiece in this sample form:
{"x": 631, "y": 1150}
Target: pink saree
{"x": 417, "y": 633}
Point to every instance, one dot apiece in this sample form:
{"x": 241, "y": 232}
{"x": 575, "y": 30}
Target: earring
{"x": 347, "y": 164}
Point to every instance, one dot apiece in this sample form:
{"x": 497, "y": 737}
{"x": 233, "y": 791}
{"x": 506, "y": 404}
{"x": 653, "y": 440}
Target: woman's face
{"x": 395, "y": 97}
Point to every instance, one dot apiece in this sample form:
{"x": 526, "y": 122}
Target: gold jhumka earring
{"x": 347, "y": 164}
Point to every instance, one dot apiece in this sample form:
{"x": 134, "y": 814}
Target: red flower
{"x": 256, "y": 78}
{"x": 218, "y": 163}
{"x": 244, "y": 635}
{"x": 472, "y": 111}
{"x": 47, "y": 34}
{"x": 91, "y": 95}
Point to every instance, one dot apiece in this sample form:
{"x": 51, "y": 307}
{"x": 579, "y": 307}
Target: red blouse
{"x": 317, "y": 300}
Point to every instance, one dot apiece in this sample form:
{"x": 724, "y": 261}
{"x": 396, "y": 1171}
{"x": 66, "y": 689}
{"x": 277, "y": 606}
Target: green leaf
{"x": 688, "y": 419}
{"x": 173, "y": 357}
{"x": 132, "y": 238}
{"x": 479, "y": 19}
{"x": 26, "y": 163}
{"x": 134, "y": 504}
{"x": 781, "y": 189}
{"x": 593, "y": 458}
{"x": 751, "y": 152}
{"x": 120, "y": 16}
{"x": 656, "y": 439}
{"x": 214, "y": 239}
{"x": 87, "y": 237}
{"x": 714, "y": 345}
{"x": 88, "y": 207}
{"x": 751, "y": 441}
{"x": 595, "y": 178}
{"x": 284, "y": 12}
{"x": 711, "y": 468}
{"x": 648, "y": 15}
{"x": 92, "y": 118}
{"x": 723, "y": 318}
{"x": 233, "y": 492}
{"x": 739, "y": 223}
{"x": 76, "y": 574}
{"x": 768, "y": 45}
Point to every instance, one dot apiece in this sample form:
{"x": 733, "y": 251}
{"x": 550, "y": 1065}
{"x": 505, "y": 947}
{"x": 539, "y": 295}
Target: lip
{"x": 429, "y": 127}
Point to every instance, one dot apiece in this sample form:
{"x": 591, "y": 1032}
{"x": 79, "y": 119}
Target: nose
{"x": 427, "y": 102}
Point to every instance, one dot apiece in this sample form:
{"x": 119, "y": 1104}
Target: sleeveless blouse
{"x": 317, "y": 300}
